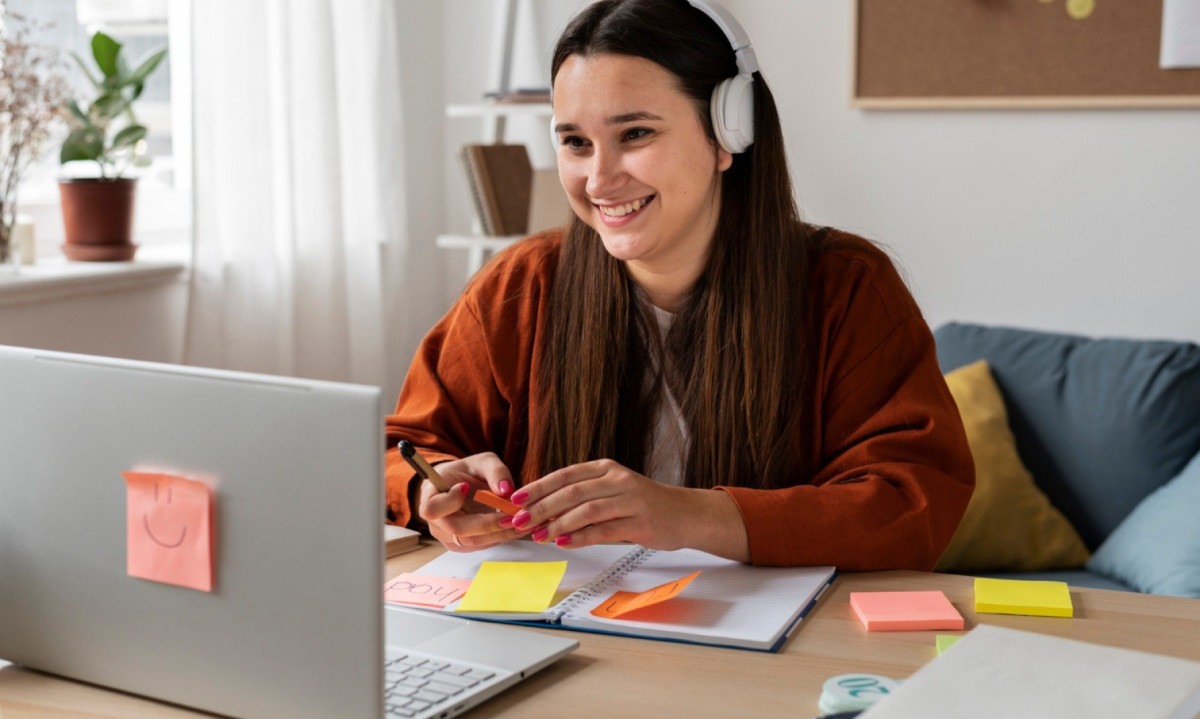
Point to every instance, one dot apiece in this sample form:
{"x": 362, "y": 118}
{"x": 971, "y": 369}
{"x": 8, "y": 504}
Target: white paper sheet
{"x": 1180, "y": 34}
{"x": 999, "y": 673}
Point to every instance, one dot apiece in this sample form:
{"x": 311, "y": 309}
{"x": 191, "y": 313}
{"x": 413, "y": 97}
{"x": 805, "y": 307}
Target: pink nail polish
{"x": 506, "y": 488}
{"x": 506, "y": 522}
{"x": 519, "y": 497}
{"x": 520, "y": 519}
{"x": 465, "y": 489}
{"x": 540, "y": 534}
{"x": 562, "y": 540}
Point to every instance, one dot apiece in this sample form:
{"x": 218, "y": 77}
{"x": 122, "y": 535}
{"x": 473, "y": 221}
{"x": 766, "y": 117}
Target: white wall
{"x": 1082, "y": 220}
{"x": 144, "y": 322}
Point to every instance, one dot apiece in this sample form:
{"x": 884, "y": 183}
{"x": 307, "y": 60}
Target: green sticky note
{"x": 945, "y": 641}
{"x": 513, "y": 587}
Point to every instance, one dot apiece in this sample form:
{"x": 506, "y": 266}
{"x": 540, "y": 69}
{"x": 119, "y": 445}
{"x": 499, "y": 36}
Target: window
{"x": 164, "y": 188}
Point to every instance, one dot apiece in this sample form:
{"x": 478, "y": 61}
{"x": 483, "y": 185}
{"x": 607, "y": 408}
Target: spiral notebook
{"x": 729, "y": 604}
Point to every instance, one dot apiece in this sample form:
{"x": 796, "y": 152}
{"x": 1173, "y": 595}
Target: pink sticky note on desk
{"x": 424, "y": 589}
{"x": 623, "y": 602}
{"x": 169, "y": 530}
{"x": 905, "y": 611}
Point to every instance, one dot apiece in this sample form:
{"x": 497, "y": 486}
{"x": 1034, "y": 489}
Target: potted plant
{"x": 98, "y": 211}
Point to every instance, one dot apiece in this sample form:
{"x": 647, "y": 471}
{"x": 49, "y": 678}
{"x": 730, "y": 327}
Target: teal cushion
{"x": 1157, "y": 548}
{"x": 1099, "y": 423}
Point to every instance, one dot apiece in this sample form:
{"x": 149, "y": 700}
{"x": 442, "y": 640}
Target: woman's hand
{"x": 603, "y": 501}
{"x": 463, "y": 525}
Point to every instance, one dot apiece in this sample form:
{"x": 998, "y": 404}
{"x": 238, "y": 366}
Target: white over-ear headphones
{"x": 732, "y": 103}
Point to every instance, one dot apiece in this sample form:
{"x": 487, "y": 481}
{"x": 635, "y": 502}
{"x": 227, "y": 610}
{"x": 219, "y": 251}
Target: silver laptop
{"x": 214, "y": 539}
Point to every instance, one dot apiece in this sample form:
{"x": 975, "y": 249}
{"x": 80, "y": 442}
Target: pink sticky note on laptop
{"x": 905, "y": 611}
{"x": 169, "y": 532}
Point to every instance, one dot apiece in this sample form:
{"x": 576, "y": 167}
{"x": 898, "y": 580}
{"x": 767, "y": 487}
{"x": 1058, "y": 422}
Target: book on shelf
{"x": 398, "y": 540}
{"x": 728, "y": 604}
{"x": 520, "y": 95}
{"x": 500, "y": 178}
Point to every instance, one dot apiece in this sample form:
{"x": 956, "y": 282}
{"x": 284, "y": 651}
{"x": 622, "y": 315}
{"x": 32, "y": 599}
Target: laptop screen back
{"x": 293, "y": 624}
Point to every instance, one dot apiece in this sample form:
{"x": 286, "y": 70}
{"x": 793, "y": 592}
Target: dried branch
{"x": 33, "y": 89}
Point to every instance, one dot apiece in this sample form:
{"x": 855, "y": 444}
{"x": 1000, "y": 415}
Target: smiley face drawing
{"x": 167, "y": 544}
{"x": 169, "y": 529}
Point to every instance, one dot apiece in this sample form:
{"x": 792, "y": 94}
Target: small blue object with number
{"x": 853, "y": 693}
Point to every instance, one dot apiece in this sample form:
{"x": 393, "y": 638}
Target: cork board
{"x": 1014, "y": 53}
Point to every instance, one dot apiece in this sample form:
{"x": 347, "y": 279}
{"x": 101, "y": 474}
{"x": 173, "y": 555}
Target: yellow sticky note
{"x": 169, "y": 530}
{"x": 945, "y": 641}
{"x": 1022, "y": 596}
{"x": 621, "y": 602}
{"x": 513, "y": 587}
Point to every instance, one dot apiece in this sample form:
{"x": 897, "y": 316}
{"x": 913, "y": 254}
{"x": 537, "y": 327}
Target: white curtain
{"x": 299, "y": 187}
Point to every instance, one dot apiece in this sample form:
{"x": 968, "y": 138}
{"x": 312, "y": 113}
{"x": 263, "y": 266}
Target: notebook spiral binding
{"x": 602, "y": 581}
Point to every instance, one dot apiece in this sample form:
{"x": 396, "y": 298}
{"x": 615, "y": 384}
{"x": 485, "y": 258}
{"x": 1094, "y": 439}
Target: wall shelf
{"x": 493, "y": 117}
{"x": 500, "y": 109}
{"x": 52, "y": 280}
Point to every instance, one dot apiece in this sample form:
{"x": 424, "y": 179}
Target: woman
{"x": 687, "y": 364}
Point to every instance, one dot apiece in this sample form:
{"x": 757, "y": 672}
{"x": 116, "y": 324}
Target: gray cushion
{"x": 1100, "y": 423}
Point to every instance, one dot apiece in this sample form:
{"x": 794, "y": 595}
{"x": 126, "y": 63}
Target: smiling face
{"x": 171, "y": 522}
{"x": 638, "y": 167}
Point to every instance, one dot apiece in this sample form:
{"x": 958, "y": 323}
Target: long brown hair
{"x": 738, "y": 356}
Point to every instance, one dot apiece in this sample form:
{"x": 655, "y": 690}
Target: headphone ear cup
{"x": 732, "y": 109}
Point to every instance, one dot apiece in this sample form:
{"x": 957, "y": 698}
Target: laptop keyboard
{"x": 417, "y": 686}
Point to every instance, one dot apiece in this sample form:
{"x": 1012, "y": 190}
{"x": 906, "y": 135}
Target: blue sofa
{"x": 1102, "y": 424}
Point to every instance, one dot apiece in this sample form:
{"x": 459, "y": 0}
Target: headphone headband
{"x": 732, "y": 103}
{"x": 747, "y": 61}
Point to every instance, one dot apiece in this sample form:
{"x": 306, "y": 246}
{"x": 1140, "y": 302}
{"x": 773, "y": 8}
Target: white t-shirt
{"x": 668, "y": 443}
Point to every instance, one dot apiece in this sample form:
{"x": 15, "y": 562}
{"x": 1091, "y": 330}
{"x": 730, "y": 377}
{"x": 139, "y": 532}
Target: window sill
{"x": 56, "y": 278}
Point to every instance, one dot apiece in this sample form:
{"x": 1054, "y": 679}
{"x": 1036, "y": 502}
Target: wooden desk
{"x": 639, "y": 677}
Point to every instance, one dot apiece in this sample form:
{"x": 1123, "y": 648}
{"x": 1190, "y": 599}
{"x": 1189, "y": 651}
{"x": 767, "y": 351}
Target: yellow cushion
{"x": 1009, "y": 525}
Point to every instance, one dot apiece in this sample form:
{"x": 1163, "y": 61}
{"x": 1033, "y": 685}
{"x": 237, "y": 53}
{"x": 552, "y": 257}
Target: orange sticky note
{"x": 905, "y": 611}
{"x": 169, "y": 532}
{"x": 624, "y": 602}
{"x": 495, "y": 501}
{"x": 424, "y": 589}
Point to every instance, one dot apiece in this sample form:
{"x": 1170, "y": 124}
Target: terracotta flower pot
{"x": 98, "y": 219}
